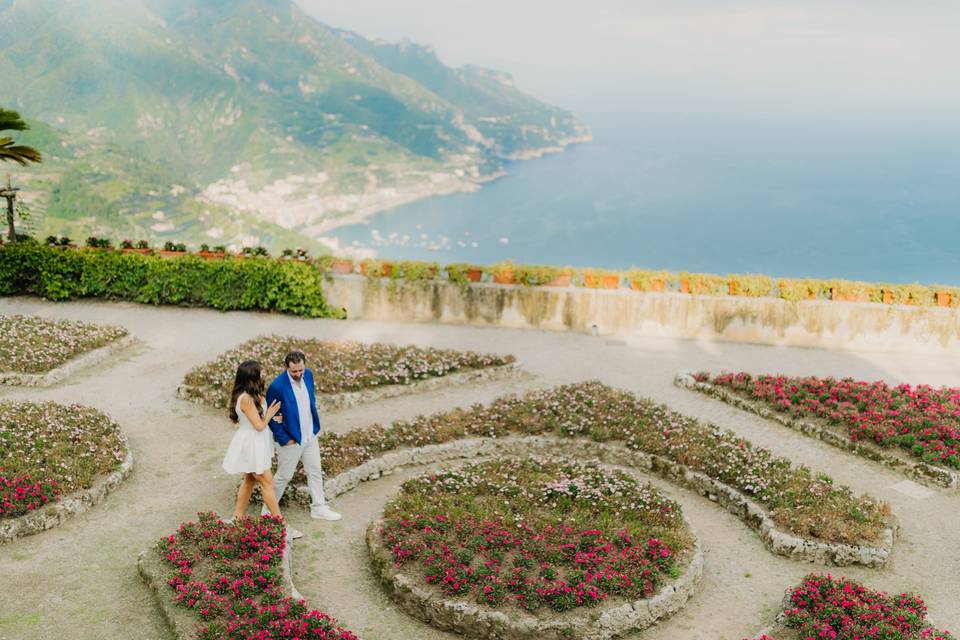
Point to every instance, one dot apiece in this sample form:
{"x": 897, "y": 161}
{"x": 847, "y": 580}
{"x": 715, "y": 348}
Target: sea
{"x": 785, "y": 197}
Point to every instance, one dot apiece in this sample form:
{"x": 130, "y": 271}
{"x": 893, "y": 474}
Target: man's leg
{"x": 287, "y": 459}
{"x": 314, "y": 471}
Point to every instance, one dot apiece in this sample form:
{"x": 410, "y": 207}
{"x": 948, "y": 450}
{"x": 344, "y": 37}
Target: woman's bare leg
{"x": 243, "y": 495}
{"x": 269, "y": 493}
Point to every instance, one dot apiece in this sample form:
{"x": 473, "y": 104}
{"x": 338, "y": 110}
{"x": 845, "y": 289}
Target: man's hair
{"x": 294, "y": 356}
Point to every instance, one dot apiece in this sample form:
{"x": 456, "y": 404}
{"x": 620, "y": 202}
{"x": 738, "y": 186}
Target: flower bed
{"x": 338, "y": 367}
{"x": 807, "y": 504}
{"x": 536, "y": 534}
{"x": 921, "y": 421}
{"x": 56, "y": 448}
{"x": 229, "y": 576}
{"x": 55, "y": 461}
{"x": 841, "y": 609}
{"x": 37, "y": 345}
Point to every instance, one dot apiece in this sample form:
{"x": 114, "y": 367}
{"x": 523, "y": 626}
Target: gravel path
{"x": 79, "y": 580}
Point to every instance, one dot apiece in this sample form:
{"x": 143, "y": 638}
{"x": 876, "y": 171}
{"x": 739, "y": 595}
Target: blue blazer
{"x": 290, "y": 429}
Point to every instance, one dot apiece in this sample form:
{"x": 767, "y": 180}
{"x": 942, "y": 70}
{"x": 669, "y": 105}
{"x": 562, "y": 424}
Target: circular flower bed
{"x": 36, "y": 345}
{"x": 806, "y": 504}
{"x": 841, "y": 609}
{"x": 338, "y": 366}
{"x": 543, "y": 535}
{"x": 50, "y": 449}
{"x": 230, "y": 576}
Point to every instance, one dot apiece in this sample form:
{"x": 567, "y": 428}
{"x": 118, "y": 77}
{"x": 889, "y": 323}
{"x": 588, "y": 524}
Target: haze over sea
{"x": 720, "y": 195}
{"x": 803, "y": 139}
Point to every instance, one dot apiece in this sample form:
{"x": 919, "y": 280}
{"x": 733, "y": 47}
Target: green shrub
{"x": 269, "y": 285}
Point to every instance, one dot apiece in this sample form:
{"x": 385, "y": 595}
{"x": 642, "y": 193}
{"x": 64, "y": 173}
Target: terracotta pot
{"x": 591, "y": 282}
{"x": 609, "y": 282}
{"x": 887, "y": 296}
{"x": 474, "y": 275}
{"x": 684, "y": 285}
{"x": 212, "y": 255}
{"x": 341, "y": 266}
{"x": 653, "y": 285}
{"x": 504, "y": 277}
{"x": 861, "y": 296}
{"x": 562, "y": 280}
{"x": 387, "y": 270}
{"x": 943, "y": 298}
{"x": 732, "y": 287}
{"x": 171, "y": 254}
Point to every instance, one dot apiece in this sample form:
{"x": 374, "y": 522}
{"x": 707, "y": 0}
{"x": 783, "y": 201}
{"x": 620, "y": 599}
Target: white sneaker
{"x": 325, "y": 513}
{"x": 293, "y": 534}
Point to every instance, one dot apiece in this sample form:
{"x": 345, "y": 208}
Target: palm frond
{"x": 11, "y": 120}
{"x": 21, "y": 154}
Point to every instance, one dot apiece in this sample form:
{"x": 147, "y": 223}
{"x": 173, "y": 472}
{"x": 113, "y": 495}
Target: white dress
{"x": 250, "y": 451}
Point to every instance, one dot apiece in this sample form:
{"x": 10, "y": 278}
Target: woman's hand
{"x": 272, "y": 410}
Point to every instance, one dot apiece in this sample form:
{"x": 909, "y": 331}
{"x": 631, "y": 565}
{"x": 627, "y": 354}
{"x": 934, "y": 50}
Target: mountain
{"x": 258, "y": 110}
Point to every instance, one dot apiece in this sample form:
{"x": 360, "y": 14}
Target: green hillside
{"x": 253, "y": 109}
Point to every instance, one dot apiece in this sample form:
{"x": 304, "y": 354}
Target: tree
{"x": 21, "y": 154}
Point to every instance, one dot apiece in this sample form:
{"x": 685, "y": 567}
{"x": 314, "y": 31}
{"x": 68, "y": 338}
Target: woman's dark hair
{"x": 249, "y": 380}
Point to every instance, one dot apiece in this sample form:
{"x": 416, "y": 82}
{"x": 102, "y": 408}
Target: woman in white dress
{"x": 251, "y": 449}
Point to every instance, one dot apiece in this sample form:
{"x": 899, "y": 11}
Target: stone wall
{"x": 813, "y": 323}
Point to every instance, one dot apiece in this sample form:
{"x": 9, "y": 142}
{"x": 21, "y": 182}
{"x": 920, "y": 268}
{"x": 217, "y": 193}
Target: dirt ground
{"x": 79, "y": 580}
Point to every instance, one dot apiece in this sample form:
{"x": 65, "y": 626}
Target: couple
{"x": 290, "y": 420}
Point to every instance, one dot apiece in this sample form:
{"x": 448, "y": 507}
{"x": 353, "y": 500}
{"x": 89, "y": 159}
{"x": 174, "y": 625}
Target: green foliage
{"x": 751, "y": 285}
{"x": 535, "y": 275}
{"x": 706, "y": 283}
{"x": 645, "y": 280}
{"x": 60, "y": 274}
{"x": 457, "y": 273}
{"x": 415, "y": 270}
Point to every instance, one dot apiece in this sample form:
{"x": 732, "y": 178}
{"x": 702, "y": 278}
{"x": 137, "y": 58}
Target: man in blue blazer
{"x": 295, "y": 429}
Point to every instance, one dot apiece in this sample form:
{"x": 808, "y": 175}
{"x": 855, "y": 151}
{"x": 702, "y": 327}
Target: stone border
{"x": 750, "y": 512}
{"x": 346, "y": 399}
{"x": 914, "y": 469}
{"x": 478, "y": 622}
{"x": 182, "y": 622}
{"x": 68, "y": 368}
{"x": 50, "y": 515}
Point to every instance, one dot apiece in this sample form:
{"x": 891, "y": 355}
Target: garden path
{"x": 79, "y": 579}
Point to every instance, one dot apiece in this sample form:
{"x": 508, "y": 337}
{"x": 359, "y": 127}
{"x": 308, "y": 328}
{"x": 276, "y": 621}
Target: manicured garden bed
{"x": 227, "y": 581}
{"x": 34, "y": 345}
{"x": 550, "y": 537}
{"x": 918, "y": 422}
{"x": 536, "y": 534}
{"x": 807, "y": 504}
{"x": 839, "y": 609}
{"x": 338, "y": 367}
{"x": 51, "y": 452}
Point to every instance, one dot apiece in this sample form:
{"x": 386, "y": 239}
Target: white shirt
{"x": 303, "y": 408}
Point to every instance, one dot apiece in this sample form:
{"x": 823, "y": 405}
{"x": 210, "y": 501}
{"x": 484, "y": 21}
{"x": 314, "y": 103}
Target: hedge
{"x": 61, "y": 274}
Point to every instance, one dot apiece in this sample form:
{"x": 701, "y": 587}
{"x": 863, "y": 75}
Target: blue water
{"x": 785, "y": 198}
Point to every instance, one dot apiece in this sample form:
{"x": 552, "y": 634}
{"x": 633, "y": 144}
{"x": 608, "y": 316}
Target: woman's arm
{"x": 250, "y": 410}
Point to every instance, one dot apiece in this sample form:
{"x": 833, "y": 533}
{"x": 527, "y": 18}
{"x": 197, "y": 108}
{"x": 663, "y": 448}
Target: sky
{"x": 876, "y": 60}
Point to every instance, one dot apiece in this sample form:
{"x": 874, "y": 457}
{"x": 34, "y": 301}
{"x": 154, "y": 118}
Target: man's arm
{"x": 279, "y": 433}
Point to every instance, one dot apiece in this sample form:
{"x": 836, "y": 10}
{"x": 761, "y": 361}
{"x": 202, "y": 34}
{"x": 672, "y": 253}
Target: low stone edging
{"x": 747, "y": 510}
{"x": 182, "y": 622}
{"x": 914, "y": 469}
{"x": 52, "y": 514}
{"x": 346, "y": 399}
{"x": 67, "y": 369}
{"x": 475, "y": 621}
